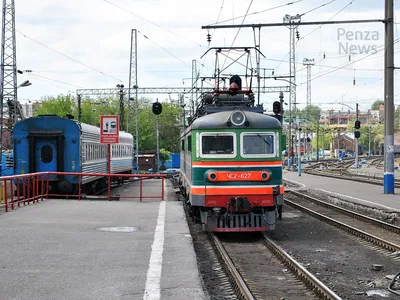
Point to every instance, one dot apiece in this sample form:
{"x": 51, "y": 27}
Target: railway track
{"x": 343, "y": 174}
{"x": 384, "y": 235}
{"x": 255, "y": 271}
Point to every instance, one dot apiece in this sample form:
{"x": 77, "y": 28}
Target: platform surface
{"x": 363, "y": 193}
{"x": 55, "y": 250}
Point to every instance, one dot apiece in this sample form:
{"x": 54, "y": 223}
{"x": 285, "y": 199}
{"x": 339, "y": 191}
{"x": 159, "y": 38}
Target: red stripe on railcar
{"x": 255, "y": 200}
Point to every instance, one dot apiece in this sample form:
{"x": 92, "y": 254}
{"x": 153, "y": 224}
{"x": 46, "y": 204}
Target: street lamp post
{"x": 23, "y": 84}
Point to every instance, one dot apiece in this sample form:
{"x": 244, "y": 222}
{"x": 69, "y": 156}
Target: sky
{"x": 74, "y": 44}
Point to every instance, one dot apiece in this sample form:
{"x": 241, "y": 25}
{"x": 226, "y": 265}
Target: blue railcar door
{"x": 46, "y": 155}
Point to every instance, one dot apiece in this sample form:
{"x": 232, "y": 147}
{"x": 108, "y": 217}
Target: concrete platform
{"x": 55, "y": 250}
{"x": 362, "y": 193}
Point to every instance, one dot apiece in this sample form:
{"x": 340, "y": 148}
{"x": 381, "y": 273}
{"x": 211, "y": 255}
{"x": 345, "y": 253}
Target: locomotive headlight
{"x": 238, "y": 118}
{"x": 212, "y": 176}
{"x": 265, "y": 176}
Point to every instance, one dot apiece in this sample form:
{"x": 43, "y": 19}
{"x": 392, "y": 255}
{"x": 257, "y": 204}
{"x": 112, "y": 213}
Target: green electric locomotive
{"x": 231, "y": 163}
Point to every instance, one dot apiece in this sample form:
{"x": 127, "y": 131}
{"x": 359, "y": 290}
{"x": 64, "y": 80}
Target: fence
{"x": 25, "y": 189}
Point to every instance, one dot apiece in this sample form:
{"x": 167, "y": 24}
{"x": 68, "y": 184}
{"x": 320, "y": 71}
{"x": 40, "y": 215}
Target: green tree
{"x": 60, "y": 105}
{"x": 164, "y": 156}
{"x": 370, "y": 135}
{"x": 324, "y": 137}
{"x": 397, "y": 118}
{"x": 376, "y": 104}
{"x": 169, "y": 130}
{"x": 91, "y": 110}
{"x": 310, "y": 113}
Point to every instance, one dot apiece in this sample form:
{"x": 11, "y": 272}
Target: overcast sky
{"x": 95, "y": 34}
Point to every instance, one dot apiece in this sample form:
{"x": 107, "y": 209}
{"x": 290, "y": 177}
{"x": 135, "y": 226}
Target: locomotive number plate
{"x": 238, "y": 176}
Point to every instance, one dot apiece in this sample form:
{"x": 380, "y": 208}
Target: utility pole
{"x": 356, "y": 141}
{"x": 388, "y": 176}
{"x": 317, "y": 140}
{"x": 79, "y": 100}
{"x": 121, "y": 106}
{"x": 369, "y": 135}
{"x": 369, "y": 140}
{"x": 299, "y": 153}
{"x": 133, "y": 84}
{"x": 158, "y": 144}
{"x": 292, "y": 23}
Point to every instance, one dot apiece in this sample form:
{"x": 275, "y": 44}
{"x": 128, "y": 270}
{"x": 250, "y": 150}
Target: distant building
{"x": 28, "y": 109}
{"x": 148, "y": 160}
{"x": 343, "y": 119}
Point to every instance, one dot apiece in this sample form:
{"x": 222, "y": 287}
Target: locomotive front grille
{"x": 242, "y": 222}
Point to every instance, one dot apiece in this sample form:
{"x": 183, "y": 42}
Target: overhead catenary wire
{"x": 257, "y": 12}
{"x": 351, "y": 2}
{"x": 341, "y": 67}
{"x": 55, "y": 80}
{"x": 318, "y": 7}
{"x": 151, "y": 22}
{"x": 315, "y": 29}
{"x": 166, "y": 50}
{"x": 237, "y": 33}
{"x": 212, "y": 35}
{"x": 66, "y": 56}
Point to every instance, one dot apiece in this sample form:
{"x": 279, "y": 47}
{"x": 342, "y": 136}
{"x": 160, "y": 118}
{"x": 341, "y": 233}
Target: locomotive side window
{"x": 256, "y": 144}
{"x": 190, "y": 143}
{"x": 220, "y": 144}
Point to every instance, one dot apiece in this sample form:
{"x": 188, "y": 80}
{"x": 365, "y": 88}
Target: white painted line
{"x": 362, "y": 200}
{"x": 292, "y": 181}
{"x": 152, "y": 290}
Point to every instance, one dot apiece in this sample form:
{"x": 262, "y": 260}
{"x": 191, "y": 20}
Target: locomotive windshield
{"x": 217, "y": 144}
{"x": 258, "y": 144}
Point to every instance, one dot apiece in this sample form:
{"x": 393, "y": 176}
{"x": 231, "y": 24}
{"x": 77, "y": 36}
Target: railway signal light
{"x": 357, "y": 134}
{"x": 357, "y": 124}
{"x": 276, "y": 107}
{"x": 157, "y": 108}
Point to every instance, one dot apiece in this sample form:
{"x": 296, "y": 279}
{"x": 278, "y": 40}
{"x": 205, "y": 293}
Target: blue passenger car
{"x": 53, "y": 144}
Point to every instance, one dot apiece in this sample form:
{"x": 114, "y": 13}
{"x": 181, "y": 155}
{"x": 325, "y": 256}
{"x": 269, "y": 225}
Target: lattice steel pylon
{"x": 194, "y": 87}
{"x": 133, "y": 84}
{"x": 8, "y": 82}
{"x": 308, "y": 63}
{"x": 293, "y": 23}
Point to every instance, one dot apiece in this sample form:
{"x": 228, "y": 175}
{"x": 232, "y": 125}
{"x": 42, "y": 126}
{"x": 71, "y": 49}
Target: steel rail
{"x": 376, "y": 222}
{"x": 240, "y": 286}
{"x": 352, "y": 178}
{"x": 347, "y": 228}
{"x": 300, "y": 272}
